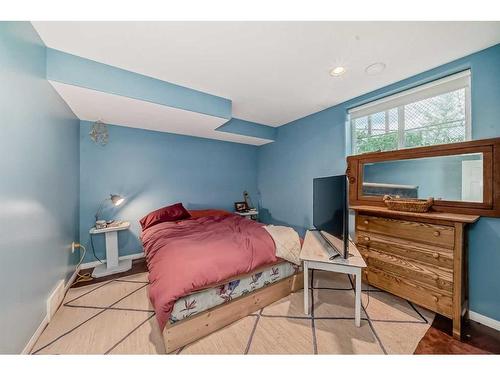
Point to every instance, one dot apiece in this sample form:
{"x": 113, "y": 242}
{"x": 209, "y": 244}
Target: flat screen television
{"x": 330, "y": 212}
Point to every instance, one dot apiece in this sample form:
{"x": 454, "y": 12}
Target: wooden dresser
{"x": 419, "y": 257}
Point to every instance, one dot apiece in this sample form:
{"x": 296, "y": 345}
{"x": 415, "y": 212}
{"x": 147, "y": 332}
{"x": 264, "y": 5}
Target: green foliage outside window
{"x": 385, "y": 142}
{"x": 436, "y": 120}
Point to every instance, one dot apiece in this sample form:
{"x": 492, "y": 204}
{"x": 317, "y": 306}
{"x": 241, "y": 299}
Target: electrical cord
{"x": 93, "y": 249}
{"x": 86, "y": 276}
{"x": 368, "y": 296}
{"x": 367, "y": 293}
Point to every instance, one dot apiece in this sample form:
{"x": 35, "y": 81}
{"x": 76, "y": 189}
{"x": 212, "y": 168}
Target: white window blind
{"x": 434, "y": 113}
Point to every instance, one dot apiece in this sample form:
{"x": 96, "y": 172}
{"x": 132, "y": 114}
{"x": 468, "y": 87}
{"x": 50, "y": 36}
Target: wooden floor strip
{"x": 109, "y": 308}
{"x": 68, "y": 332}
{"x": 249, "y": 344}
{"x": 89, "y": 319}
{"x": 90, "y": 291}
{"x": 128, "y": 334}
{"x": 436, "y": 340}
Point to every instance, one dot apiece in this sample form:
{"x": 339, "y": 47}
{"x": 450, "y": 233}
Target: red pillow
{"x": 170, "y": 213}
{"x": 195, "y": 214}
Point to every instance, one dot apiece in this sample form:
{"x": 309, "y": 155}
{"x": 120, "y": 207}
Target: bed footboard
{"x": 188, "y": 330}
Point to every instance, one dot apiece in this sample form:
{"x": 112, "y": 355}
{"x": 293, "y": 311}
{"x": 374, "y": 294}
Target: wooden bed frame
{"x": 176, "y": 335}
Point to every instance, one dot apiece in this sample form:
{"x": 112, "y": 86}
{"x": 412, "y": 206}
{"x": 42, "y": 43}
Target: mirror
{"x": 463, "y": 178}
{"x": 449, "y": 178}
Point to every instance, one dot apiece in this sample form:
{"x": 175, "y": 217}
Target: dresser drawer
{"x": 429, "y": 298}
{"x": 429, "y": 275}
{"x": 427, "y": 254}
{"x": 410, "y": 230}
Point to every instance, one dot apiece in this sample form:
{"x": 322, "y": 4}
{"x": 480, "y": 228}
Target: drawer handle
{"x": 435, "y": 255}
{"x": 367, "y": 238}
{"x": 365, "y": 222}
{"x": 437, "y": 233}
{"x": 435, "y": 277}
{"x": 435, "y": 298}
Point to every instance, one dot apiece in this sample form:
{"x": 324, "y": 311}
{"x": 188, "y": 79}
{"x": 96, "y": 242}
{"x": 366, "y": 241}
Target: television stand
{"x": 315, "y": 255}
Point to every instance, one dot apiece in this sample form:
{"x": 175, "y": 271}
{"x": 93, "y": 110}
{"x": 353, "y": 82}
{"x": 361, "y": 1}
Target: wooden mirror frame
{"x": 490, "y": 148}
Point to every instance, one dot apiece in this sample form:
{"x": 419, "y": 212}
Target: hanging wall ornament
{"x": 99, "y": 133}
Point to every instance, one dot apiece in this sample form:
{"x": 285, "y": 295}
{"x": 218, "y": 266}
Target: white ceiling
{"x": 91, "y": 105}
{"x": 274, "y": 72}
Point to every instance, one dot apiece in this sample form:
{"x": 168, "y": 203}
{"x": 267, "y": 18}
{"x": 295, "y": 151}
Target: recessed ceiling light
{"x": 337, "y": 71}
{"x": 375, "y": 68}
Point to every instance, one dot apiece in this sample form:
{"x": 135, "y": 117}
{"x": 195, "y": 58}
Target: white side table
{"x": 315, "y": 255}
{"x": 113, "y": 264}
{"x": 254, "y": 214}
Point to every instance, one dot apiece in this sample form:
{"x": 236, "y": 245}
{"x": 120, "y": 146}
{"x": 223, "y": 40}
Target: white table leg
{"x": 112, "y": 249}
{"x": 306, "y": 288}
{"x": 357, "y": 305}
{"x": 113, "y": 264}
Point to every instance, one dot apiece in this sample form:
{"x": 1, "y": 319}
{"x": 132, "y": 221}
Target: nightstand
{"x": 252, "y": 214}
{"x": 113, "y": 264}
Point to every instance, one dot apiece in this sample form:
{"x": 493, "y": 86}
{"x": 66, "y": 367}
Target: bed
{"x": 209, "y": 269}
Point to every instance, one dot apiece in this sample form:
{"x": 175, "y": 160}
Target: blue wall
{"x": 154, "y": 169}
{"x": 304, "y": 149}
{"x": 315, "y": 146}
{"x": 39, "y": 169}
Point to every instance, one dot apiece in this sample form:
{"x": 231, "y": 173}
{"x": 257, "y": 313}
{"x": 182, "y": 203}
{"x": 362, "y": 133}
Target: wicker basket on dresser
{"x": 417, "y": 256}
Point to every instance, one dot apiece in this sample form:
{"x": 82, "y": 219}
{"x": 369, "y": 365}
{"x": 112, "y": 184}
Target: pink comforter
{"x": 192, "y": 254}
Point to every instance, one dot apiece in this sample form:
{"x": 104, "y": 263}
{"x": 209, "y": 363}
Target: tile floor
{"x": 116, "y": 317}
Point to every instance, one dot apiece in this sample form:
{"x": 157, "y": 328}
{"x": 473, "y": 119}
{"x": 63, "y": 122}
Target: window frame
{"x": 453, "y": 82}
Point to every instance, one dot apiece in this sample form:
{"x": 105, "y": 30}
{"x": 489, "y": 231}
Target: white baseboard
{"x": 55, "y": 299}
{"x": 96, "y": 263}
{"x": 36, "y": 335}
{"x": 29, "y": 346}
{"x": 492, "y": 323}
{"x": 71, "y": 279}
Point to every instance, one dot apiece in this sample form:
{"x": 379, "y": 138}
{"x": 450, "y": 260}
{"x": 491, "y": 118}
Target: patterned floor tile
{"x": 125, "y": 329}
{"x": 427, "y": 314}
{"x": 106, "y": 295}
{"x": 232, "y": 339}
{"x": 394, "y": 336}
{"x": 282, "y": 336}
{"x": 136, "y": 301}
{"x": 341, "y": 336}
{"x": 146, "y": 339}
{"x": 99, "y": 334}
{"x": 324, "y": 279}
{"x": 139, "y": 277}
{"x": 292, "y": 305}
{"x": 385, "y": 306}
{"x": 76, "y": 292}
{"x": 65, "y": 319}
{"x": 334, "y": 304}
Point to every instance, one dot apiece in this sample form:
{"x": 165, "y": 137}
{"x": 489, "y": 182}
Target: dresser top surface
{"x": 461, "y": 218}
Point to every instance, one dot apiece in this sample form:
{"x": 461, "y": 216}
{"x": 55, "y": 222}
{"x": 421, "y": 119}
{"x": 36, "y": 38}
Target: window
{"x": 435, "y": 113}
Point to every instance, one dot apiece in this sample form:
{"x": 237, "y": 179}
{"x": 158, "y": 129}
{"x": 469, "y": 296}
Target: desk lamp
{"x": 115, "y": 199}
